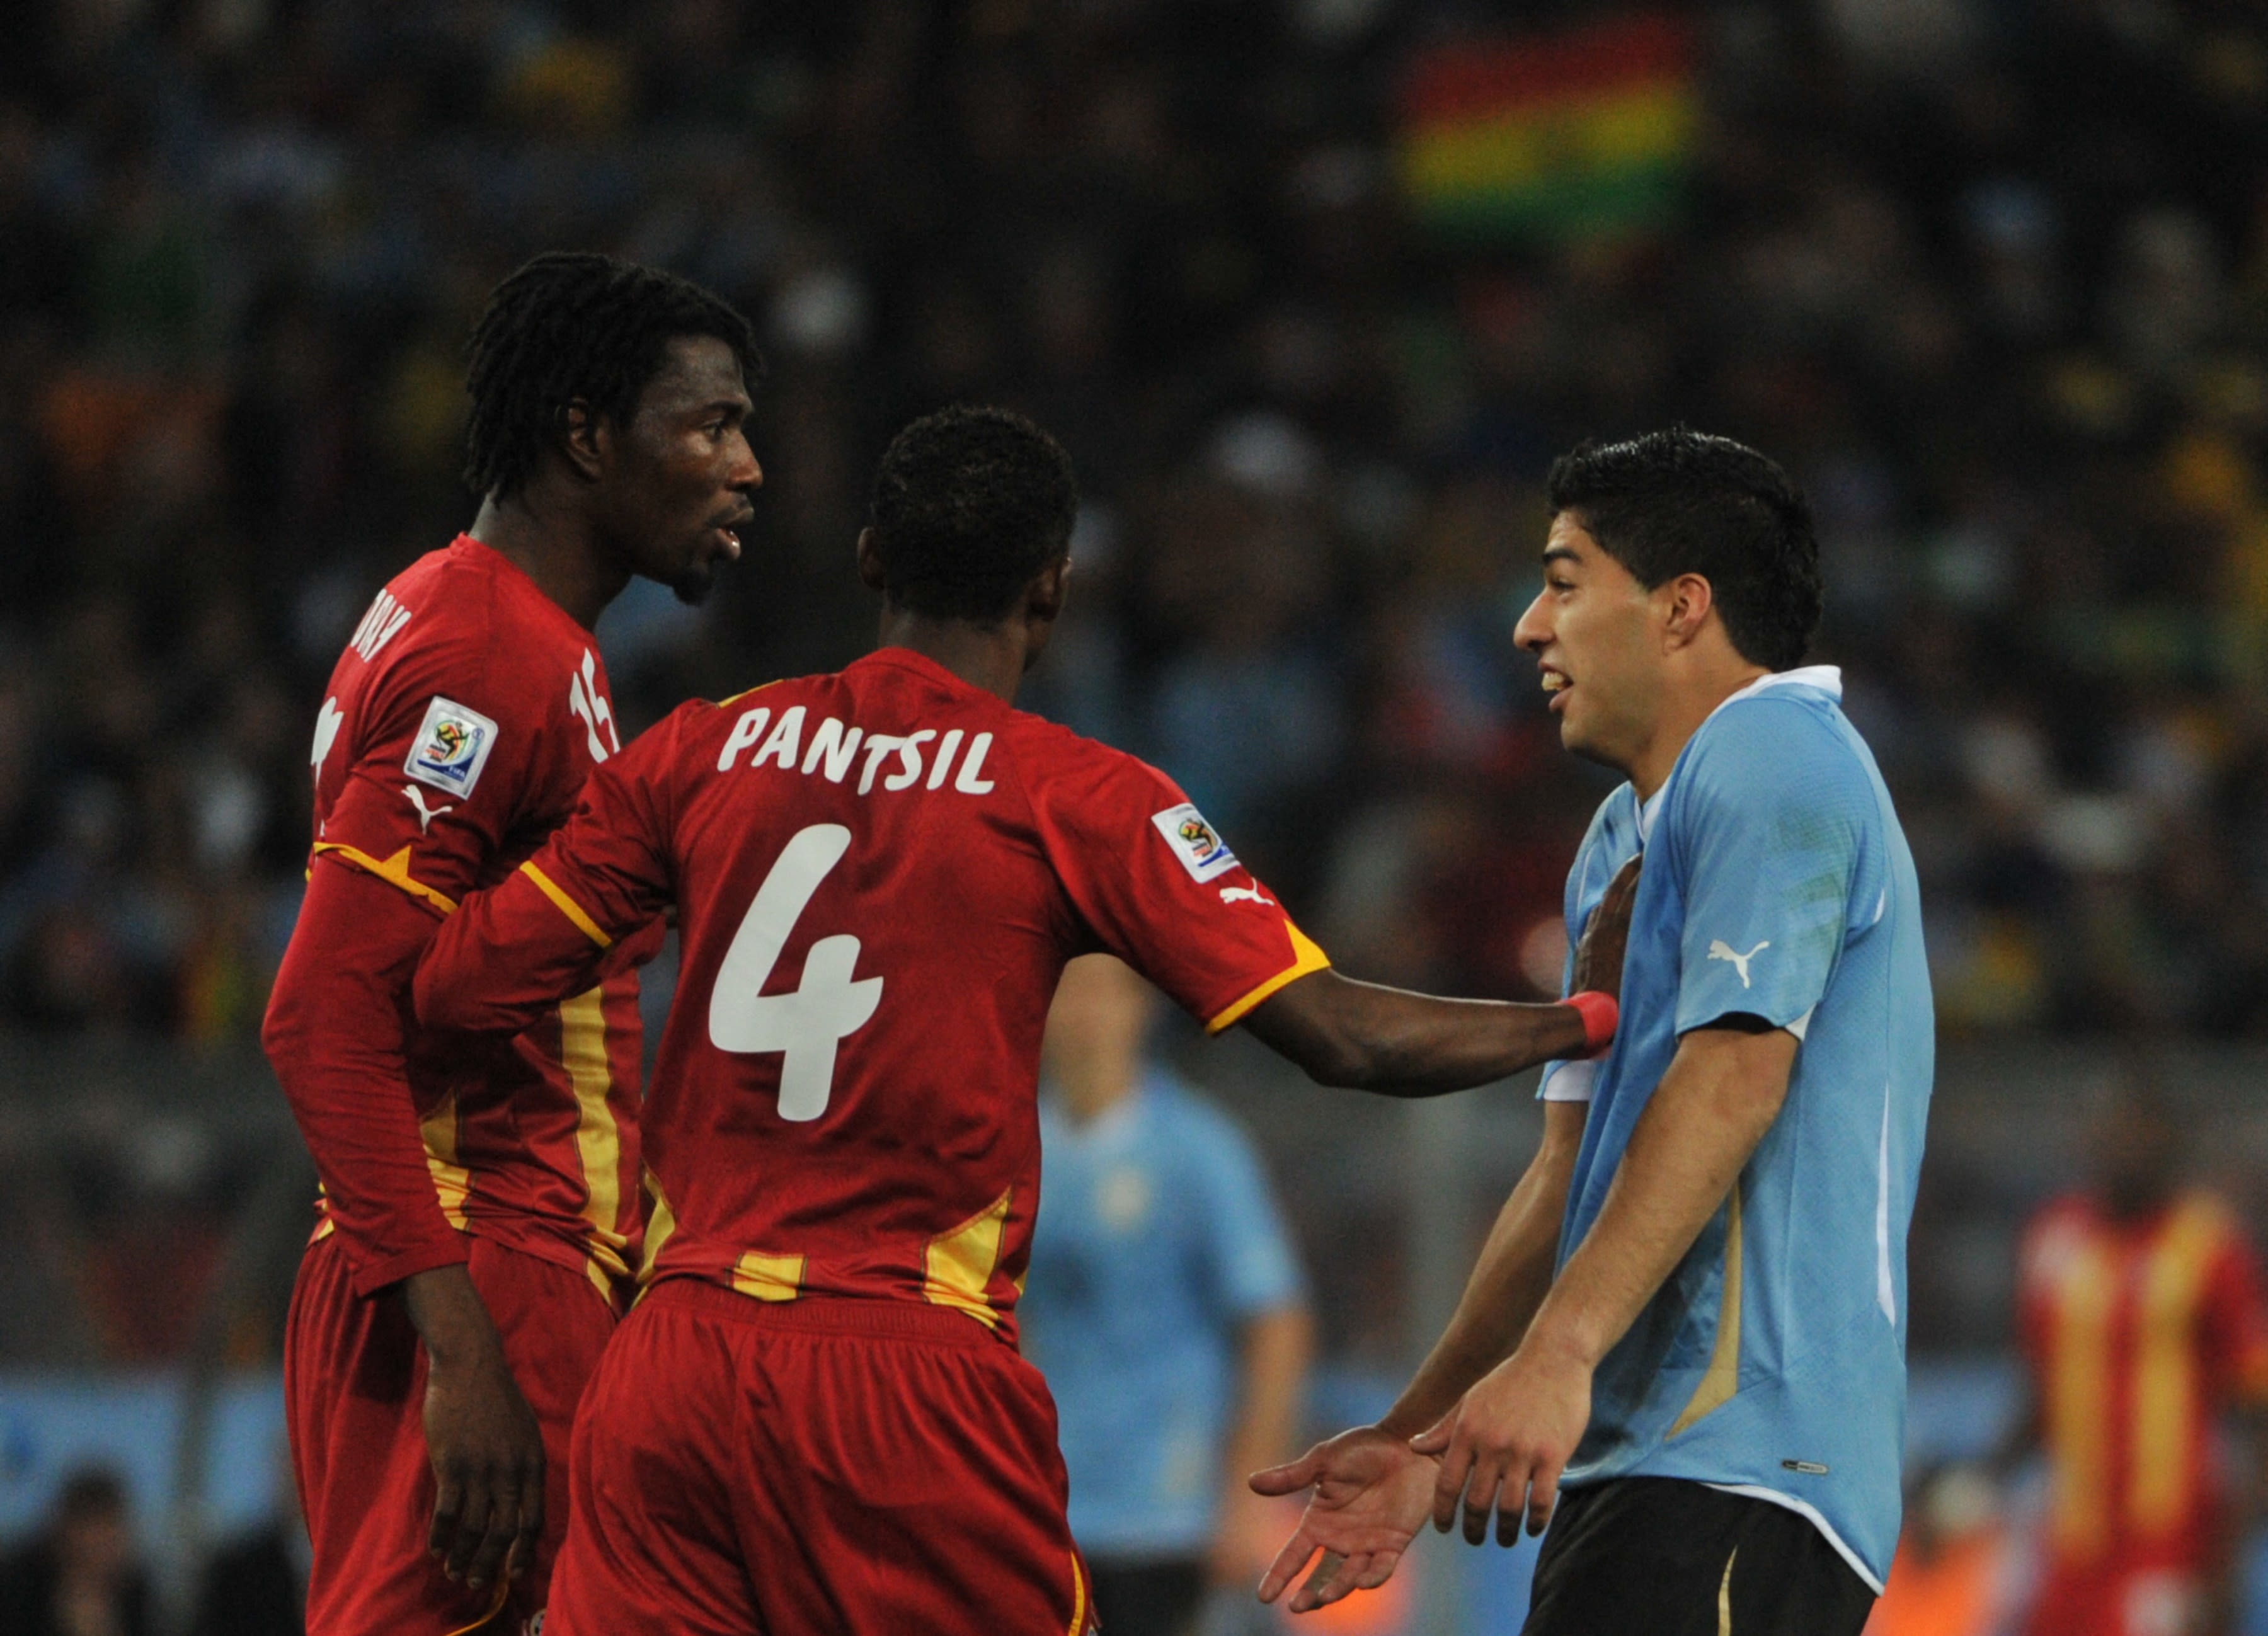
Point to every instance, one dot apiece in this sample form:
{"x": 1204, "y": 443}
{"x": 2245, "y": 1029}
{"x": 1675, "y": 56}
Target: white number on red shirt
{"x": 807, "y": 1025}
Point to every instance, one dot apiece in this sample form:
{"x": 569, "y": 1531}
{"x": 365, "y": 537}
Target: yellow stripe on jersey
{"x": 453, "y": 1183}
{"x": 394, "y": 871}
{"x": 598, "y": 1134}
{"x": 734, "y": 698}
{"x": 660, "y": 1223}
{"x": 2078, "y": 1399}
{"x": 768, "y": 1277}
{"x": 2165, "y": 1370}
{"x": 1722, "y": 1378}
{"x": 567, "y": 905}
{"x": 1305, "y": 957}
{"x": 958, "y": 1266}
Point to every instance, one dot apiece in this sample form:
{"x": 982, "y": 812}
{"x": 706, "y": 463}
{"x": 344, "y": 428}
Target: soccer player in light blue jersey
{"x": 1684, "y": 1344}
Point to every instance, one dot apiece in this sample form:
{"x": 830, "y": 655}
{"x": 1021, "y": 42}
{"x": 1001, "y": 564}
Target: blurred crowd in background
{"x": 1991, "y": 276}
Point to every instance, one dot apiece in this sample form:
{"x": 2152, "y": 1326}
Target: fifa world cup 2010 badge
{"x": 1194, "y": 842}
{"x": 451, "y": 747}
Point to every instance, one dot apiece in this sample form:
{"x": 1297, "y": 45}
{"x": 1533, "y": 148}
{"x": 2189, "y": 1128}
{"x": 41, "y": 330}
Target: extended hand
{"x": 1371, "y": 1493}
{"x": 1598, "y": 956}
{"x": 1514, "y": 1432}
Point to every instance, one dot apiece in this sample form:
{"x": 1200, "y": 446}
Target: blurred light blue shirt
{"x": 1156, "y": 1238}
{"x": 1778, "y": 883}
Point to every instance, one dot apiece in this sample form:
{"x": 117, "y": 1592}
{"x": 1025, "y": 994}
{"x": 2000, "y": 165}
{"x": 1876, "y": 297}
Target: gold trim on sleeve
{"x": 394, "y": 871}
{"x": 1305, "y": 957}
{"x": 566, "y": 905}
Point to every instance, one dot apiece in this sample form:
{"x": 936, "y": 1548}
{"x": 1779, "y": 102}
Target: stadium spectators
{"x": 79, "y": 1577}
{"x": 1994, "y": 281}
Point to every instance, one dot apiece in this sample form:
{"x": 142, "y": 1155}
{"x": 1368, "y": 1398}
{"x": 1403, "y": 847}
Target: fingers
{"x": 1323, "y": 1586}
{"x": 1286, "y": 1479}
{"x": 530, "y": 1532}
{"x": 1542, "y": 1495}
{"x": 1480, "y": 1497}
{"x": 1381, "y": 1569}
{"x": 1449, "y": 1485}
{"x": 472, "y": 1524}
{"x": 1435, "y": 1438}
{"x": 486, "y": 1560}
{"x": 1287, "y": 1565}
{"x": 448, "y": 1503}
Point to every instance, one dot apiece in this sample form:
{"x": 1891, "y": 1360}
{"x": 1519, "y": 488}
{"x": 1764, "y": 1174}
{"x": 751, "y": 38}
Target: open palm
{"x": 1371, "y": 1493}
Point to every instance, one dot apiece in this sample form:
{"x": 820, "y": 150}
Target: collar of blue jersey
{"x": 1827, "y": 678}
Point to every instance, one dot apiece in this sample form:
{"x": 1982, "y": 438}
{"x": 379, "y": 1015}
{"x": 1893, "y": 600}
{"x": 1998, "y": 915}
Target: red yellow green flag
{"x": 1554, "y": 136}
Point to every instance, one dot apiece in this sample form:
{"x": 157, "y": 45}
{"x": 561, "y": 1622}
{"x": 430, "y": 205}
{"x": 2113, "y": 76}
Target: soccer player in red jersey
{"x": 816, "y": 1420}
{"x": 480, "y": 1214}
{"x": 2144, "y": 1328}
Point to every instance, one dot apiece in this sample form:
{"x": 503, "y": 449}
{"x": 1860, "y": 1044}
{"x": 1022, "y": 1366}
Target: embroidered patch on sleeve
{"x": 1196, "y": 843}
{"x": 452, "y": 748}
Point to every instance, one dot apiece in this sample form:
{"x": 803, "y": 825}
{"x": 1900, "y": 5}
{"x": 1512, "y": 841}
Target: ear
{"x": 586, "y": 439}
{"x": 1043, "y": 598}
{"x": 1686, "y": 602}
{"x": 870, "y": 563}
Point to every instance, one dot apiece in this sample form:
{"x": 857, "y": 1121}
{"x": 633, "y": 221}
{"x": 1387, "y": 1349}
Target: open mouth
{"x": 728, "y": 537}
{"x": 1556, "y": 683}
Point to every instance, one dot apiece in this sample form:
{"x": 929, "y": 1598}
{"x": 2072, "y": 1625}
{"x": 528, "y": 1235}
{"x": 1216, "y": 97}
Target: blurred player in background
{"x": 2144, "y": 1334}
{"x": 481, "y": 1211}
{"x": 1165, "y": 1307}
{"x": 1691, "y": 1311}
{"x": 879, "y": 876}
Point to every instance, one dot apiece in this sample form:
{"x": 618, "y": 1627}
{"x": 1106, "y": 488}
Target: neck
{"x": 990, "y": 657}
{"x": 1091, "y": 1087}
{"x": 555, "y": 548}
{"x": 1685, "y": 705}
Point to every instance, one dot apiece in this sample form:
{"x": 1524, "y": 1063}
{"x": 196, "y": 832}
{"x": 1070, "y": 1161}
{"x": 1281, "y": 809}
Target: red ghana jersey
{"x": 879, "y": 876}
{"x": 2139, "y": 1335}
{"x": 458, "y": 729}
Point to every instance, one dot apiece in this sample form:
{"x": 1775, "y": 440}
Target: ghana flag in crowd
{"x": 1550, "y": 137}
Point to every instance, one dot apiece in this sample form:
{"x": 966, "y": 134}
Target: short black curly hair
{"x": 574, "y": 324}
{"x": 969, "y": 503}
{"x": 1680, "y": 502}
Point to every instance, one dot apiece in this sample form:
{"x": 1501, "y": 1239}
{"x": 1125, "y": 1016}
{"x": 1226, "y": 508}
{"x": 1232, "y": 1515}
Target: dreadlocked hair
{"x": 568, "y": 325}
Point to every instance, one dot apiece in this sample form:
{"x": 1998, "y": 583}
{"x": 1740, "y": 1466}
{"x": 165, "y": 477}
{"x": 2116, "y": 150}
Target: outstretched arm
{"x": 1368, "y": 1037}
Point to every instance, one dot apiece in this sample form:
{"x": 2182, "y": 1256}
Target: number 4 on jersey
{"x": 808, "y": 1024}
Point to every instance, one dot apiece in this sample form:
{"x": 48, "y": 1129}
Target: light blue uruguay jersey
{"x": 1157, "y": 1239}
{"x": 1776, "y": 883}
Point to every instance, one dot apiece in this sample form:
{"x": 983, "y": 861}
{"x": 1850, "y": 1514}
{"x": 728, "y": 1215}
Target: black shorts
{"x": 1148, "y": 1596}
{"x": 1652, "y": 1556}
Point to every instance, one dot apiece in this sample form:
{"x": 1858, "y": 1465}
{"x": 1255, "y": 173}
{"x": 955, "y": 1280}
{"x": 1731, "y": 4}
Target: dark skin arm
{"x": 1367, "y": 1037}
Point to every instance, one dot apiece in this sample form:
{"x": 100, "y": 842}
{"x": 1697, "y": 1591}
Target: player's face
{"x": 1594, "y": 632}
{"x": 683, "y": 470}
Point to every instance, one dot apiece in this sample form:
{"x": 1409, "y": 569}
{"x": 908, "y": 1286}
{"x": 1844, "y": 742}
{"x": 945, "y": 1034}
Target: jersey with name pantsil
{"x": 456, "y": 732}
{"x": 879, "y": 876}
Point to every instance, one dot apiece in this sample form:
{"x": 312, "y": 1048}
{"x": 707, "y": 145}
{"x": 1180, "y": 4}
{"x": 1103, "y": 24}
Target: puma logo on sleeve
{"x": 1720, "y": 949}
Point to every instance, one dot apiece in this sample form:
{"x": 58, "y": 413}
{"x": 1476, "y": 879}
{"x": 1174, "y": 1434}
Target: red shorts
{"x": 815, "y": 1468}
{"x": 354, "y": 1394}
